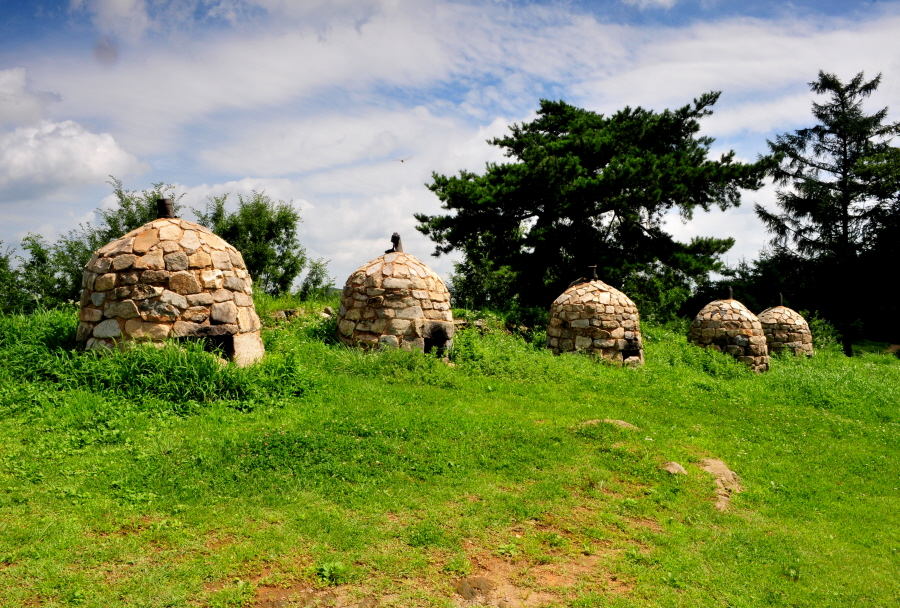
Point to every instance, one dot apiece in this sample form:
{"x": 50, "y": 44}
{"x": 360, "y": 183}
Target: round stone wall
{"x": 597, "y": 318}
{"x": 786, "y": 329}
{"x": 170, "y": 278}
{"x": 396, "y": 300}
{"x": 728, "y": 326}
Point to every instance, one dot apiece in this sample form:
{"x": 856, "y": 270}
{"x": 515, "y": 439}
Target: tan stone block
{"x": 234, "y": 284}
{"x": 353, "y": 314}
{"x": 155, "y": 276}
{"x": 247, "y": 319}
{"x": 176, "y": 261}
{"x": 242, "y": 299}
{"x": 183, "y": 329}
{"x": 199, "y": 299}
{"x": 346, "y": 327}
{"x": 190, "y": 242}
{"x": 145, "y": 241}
{"x": 90, "y": 315}
{"x": 196, "y": 314}
{"x": 184, "y": 282}
{"x": 221, "y": 260}
{"x": 214, "y": 242}
{"x": 150, "y": 261}
{"x": 170, "y": 232}
{"x": 394, "y": 283}
{"x": 248, "y": 349}
{"x": 212, "y": 279}
{"x": 108, "y": 329}
{"x": 412, "y": 312}
{"x": 170, "y": 297}
{"x": 398, "y": 327}
{"x": 223, "y": 312}
{"x": 105, "y": 282}
{"x": 223, "y": 295}
{"x": 237, "y": 261}
{"x": 199, "y": 259}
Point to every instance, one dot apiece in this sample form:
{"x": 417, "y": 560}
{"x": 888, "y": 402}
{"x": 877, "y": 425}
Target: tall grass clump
{"x": 41, "y": 349}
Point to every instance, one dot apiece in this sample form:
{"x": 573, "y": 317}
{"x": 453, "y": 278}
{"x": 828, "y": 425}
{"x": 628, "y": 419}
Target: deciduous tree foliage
{"x": 582, "y": 188}
{"x": 265, "y": 233}
{"x": 838, "y": 196}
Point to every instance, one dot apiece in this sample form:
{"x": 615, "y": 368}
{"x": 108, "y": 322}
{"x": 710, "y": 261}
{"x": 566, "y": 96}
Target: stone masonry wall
{"x": 728, "y": 326}
{"x": 168, "y": 278}
{"x": 786, "y": 329}
{"x": 395, "y": 300}
{"x": 595, "y": 317}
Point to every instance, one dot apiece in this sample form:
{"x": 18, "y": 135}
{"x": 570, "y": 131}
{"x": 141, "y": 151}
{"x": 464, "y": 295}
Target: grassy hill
{"x": 325, "y": 476}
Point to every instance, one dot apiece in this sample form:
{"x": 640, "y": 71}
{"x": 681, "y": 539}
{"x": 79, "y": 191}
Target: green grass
{"x": 159, "y": 477}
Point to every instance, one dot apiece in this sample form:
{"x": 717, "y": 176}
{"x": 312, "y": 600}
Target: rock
{"x": 248, "y": 349}
{"x": 221, "y": 260}
{"x": 674, "y": 468}
{"x": 105, "y": 282}
{"x": 223, "y": 312}
{"x": 328, "y": 311}
{"x": 145, "y": 241}
{"x": 247, "y": 319}
{"x": 155, "y": 310}
{"x": 727, "y": 481}
{"x": 150, "y": 261}
{"x": 97, "y": 298}
{"x": 126, "y": 309}
{"x": 196, "y": 314}
{"x": 183, "y": 282}
{"x": 142, "y": 291}
{"x": 123, "y": 261}
{"x": 170, "y": 297}
{"x": 176, "y": 261}
{"x": 107, "y": 329}
{"x": 199, "y": 259}
{"x": 223, "y": 295}
{"x": 155, "y": 276}
{"x": 91, "y": 315}
{"x": 199, "y": 299}
{"x": 183, "y": 329}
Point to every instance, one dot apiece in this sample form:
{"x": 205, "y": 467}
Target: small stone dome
{"x": 396, "y": 300}
{"x": 786, "y": 329}
{"x": 728, "y": 326}
{"x": 170, "y": 278}
{"x": 592, "y": 316}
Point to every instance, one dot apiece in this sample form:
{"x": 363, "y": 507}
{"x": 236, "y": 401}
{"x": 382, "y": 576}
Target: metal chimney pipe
{"x": 165, "y": 208}
{"x": 730, "y": 293}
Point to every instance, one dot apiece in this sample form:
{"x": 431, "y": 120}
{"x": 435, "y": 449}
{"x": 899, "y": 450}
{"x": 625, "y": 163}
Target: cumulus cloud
{"x": 17, "y": 104}
{"x": 125, "y": 18}
{"x": 36, "y": 160}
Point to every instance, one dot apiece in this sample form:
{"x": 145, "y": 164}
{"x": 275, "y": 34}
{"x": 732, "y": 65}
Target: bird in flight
{"x": 403, "y": 160}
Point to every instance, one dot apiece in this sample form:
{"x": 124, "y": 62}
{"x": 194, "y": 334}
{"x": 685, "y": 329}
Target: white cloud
{"x": 17, "y": 104}
{"x": 645, "y": 4}
{"x": 45, "y": 158}
{"x": 124, "y": 18}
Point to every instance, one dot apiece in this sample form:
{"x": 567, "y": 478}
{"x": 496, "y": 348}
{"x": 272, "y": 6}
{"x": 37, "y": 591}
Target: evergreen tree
{"x": 587, "y": 189}
{"x": 831, "y": 189}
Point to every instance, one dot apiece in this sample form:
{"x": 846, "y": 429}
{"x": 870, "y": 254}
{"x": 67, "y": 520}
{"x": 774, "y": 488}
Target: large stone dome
{"x": 396, "y": 300}
{"x": 595, "y": 317}
{"x": 728, "y": 326}
{"x": 786, "y": 329}
{"x": 170, "y": 278}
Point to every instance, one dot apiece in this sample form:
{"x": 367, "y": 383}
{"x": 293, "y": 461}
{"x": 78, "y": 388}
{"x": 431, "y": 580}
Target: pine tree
{"x": 827, "y": 197}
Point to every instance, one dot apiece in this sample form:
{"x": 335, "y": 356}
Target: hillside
{"x": 326, "y": 476}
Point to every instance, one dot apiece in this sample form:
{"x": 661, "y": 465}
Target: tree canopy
{"x": 838, "y": 195}
{"x": 581, "y": 189}
{"x": 265, "y": 233}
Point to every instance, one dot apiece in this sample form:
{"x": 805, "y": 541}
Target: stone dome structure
{"x": 170, "y": 278}
{"x": 728, "y": 326}
{"x": 786, "y": 329}
{"x": 591, "y": 316}
{"x": 396, "y": 300}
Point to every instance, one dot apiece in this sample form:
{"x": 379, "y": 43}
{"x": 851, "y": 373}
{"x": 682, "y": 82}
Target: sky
{"x": 314, "y": 101}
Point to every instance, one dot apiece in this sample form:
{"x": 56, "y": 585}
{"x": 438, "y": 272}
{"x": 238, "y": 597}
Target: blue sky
{"x": 311, "y": 101}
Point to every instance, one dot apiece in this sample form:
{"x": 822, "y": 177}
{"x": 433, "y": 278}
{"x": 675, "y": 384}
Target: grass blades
{"x": 163, "y": 477}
